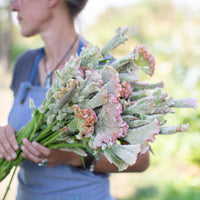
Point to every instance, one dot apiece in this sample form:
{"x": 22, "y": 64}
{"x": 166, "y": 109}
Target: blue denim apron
{"x": 61, "y": 182}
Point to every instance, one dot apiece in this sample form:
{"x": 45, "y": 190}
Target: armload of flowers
{"x": 99, "y": 106}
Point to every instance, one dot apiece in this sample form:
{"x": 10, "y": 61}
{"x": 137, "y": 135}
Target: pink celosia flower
{"x": 110, "y": 125}
{"x": 144, "y": 134}
{"x": 88, "y": 118}
{"x": 126, "y": 90}
{"x": 64, "y": 90}
{"x": 92, "y": 75}
{"x": 113, "y": 86}
{"x": 145, "y": 59}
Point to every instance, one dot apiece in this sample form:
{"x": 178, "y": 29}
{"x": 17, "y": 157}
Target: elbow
{"x": 144, "y": 166}
{"x": 144, "y": 162}
{"x": 141, "y": 164}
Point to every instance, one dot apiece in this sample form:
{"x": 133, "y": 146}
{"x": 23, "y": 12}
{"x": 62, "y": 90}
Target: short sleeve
{"x": 22, "y": 69}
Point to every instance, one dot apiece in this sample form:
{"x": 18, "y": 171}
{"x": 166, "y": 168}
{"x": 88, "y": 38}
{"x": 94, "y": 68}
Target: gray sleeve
{"x": 22, "y": 69}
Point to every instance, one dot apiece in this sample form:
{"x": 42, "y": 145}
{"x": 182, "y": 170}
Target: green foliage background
{"x": 172, "y": 35}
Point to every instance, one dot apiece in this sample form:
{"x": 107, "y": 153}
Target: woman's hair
{"x": 75, "y": 6}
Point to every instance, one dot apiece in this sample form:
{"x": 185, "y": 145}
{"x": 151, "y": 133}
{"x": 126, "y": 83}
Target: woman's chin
{"x": 27, "y": 33}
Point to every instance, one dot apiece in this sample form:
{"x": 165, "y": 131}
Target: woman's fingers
{"x": 4, "y": 153}
{"x": 37, "y": 153}
{"x": 11, "y": 137}
{"x": 8, "y": 143}
{"x": 44, "y": 150}
{"x": 34, "y": 151}
{"x": 28, "y": 155}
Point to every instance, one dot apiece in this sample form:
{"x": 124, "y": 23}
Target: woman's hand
{"x": 37, "y": 153}
{"x": 8, "y": 143}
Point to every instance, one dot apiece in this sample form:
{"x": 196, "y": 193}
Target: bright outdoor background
{"x": 171, "y": 32}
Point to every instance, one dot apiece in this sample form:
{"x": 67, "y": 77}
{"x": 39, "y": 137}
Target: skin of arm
{"x": 142, "y": 163}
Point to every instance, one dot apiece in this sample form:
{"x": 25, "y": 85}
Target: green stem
{"x": 63, "y": 145}
{"x": 19, "y": 159}
{"x": 51, "y": 139}
{"x": 37, "y": 124}
{"x": 42, "y": 134}
{"x": 83, "y": 161}
{"x": 25, "y": 131}
{"x": 6, "y": 166}
{"x": 8, "y": 187}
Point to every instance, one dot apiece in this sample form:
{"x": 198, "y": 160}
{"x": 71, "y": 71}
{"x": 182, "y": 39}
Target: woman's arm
{"x": 36, "y": 152}
{"x": 104, "y": 166}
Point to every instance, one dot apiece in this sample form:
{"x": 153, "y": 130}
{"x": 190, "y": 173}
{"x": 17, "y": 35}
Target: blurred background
{"x": 170, "y": 29}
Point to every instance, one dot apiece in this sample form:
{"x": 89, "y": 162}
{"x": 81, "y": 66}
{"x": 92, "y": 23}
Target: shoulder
{"x": 26, "y": 56}
{"x": 23, "y": 67}
{"x": 26, "y": 59}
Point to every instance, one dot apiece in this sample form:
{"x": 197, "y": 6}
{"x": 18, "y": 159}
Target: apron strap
{"x": 80, "y": 46}
{"x": 35, "y": 67}
{"x": 33, "y": 73}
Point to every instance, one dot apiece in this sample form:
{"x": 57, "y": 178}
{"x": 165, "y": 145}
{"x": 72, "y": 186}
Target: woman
{"x": 50, "y": 173}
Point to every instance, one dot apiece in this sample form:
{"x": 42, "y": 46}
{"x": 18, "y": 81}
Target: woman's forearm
{"x": 104, "y": 166}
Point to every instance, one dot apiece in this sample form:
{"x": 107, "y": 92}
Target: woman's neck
{"x": 58, "y": 36}
{"x": 57, "y": 45}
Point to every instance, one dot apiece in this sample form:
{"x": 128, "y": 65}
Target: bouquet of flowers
{"x": 97, "y": 105}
